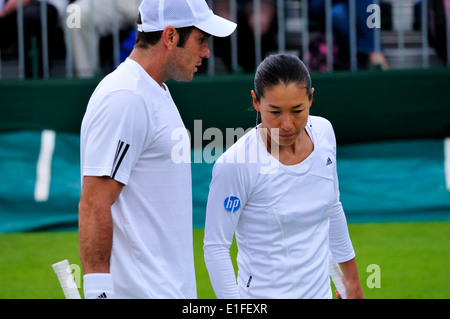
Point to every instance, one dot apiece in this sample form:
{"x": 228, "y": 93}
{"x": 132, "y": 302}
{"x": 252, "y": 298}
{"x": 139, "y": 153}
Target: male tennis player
{"x": 135, "y": 210}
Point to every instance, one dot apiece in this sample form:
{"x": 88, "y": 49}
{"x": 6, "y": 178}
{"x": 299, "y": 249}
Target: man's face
{"x": 186, "y": 60}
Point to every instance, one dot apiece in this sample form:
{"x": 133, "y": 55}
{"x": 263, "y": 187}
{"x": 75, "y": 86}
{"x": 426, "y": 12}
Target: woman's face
{"x": 284, "y": 112}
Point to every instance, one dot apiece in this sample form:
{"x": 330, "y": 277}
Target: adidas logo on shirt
{"x": 102, "y": 296}
{"x": 329, "y": 161}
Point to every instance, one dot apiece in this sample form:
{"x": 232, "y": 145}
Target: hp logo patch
{"x": 232, "y": 204}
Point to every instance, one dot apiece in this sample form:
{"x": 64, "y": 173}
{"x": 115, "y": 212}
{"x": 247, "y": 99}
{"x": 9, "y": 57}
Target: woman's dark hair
{"x": 146, "y": 39}
{"x": 281, "y": 68}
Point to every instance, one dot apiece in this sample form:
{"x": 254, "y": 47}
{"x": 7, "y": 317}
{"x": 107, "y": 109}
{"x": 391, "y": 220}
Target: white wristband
{"x": 98, "y": 286}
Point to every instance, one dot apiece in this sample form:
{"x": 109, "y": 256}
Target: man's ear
{"x": 170, "y": 37}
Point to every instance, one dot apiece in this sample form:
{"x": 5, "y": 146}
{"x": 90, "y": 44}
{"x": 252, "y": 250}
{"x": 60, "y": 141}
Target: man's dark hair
{"x": 146, "y": 39}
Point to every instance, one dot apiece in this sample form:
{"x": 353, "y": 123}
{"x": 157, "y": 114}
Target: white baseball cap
{"x": 156, "y": 15}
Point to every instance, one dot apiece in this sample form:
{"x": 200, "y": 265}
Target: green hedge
{"x": 363, "y": 106}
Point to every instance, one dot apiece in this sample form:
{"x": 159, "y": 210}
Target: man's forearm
{"x": 95, "y": 239}
{"x": 351, "y": 279}
{"x": 95, "y": 222}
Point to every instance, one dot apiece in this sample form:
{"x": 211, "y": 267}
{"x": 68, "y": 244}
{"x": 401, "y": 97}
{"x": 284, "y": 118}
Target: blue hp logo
{"x": 232, "y": 204}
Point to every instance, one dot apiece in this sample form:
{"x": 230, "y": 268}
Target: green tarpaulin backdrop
{"x": 381, "y": 181}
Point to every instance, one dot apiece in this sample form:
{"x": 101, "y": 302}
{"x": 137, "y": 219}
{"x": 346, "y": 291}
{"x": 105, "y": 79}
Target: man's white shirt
{"x": 127, "y": 134}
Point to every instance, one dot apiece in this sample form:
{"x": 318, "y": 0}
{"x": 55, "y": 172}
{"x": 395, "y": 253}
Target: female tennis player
{"x": 276, "y": 189}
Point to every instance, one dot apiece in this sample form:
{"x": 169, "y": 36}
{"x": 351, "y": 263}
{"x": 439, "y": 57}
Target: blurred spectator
{"x": 245, "y": 32}
{"x": 367, "y": 57}
{"x": 102, "y": 15}
{"x": 438, "y": 22}
{"x": 32, "y": 30}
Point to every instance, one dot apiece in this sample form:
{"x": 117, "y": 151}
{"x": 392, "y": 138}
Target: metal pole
{"x": 257, "y": 31}
{"x": 281, "y": 27}
{"x": 0, "y": 60}
{"x": 1, "y": 7}
{"x": 305, "y": 33}
{"x": 447, "y": 29}
{"x": 68, "y": 40}
{"x": 377, "y": 35}
{"x": 92, "y": 47}
{"x": 425, "y": 56}
{"x": 20, "y": 34}
{"x": 401, "y": 38}
{"x": 353, "y": 40}
{"x": 44, "y": 43}
{"x": 234, "y": 37}
{"x": 329, "y": 34}
{"x": 116, "y": 35}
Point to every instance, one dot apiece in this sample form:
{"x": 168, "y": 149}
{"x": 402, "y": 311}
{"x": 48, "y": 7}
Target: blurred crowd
{"x": 91, "y": 41}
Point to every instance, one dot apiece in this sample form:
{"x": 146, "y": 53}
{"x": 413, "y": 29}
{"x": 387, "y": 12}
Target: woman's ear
{"x": 311, "y": 99}
{"x": 255, "y": 101}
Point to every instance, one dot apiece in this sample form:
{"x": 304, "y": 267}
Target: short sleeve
{"x": 116, "y": 135}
